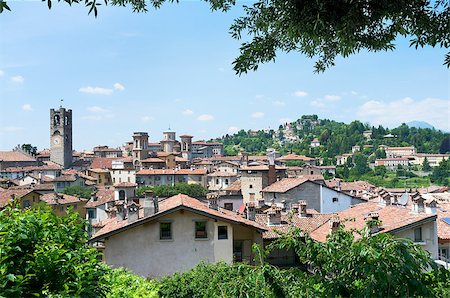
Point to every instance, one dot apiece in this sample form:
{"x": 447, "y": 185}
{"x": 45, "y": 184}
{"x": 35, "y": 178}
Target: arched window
{"x": 121, "y": 194}
{"x": 226, "y": 181}
{"x": 56, "y": 120}
{"x": 66, "y": 120}
{"x": 250, "y": 186}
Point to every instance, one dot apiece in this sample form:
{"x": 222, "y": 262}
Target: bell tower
{"x": 61, "y": 137}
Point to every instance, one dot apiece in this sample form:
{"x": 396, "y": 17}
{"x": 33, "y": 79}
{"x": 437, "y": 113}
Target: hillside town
{"x": 247, "y": 199}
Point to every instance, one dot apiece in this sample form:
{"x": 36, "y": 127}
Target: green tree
{"x": 43, "y": 254}
{"x": 29, "y": 148}
{"x": 79, "y": 191}
{"x": 426, "y": 165}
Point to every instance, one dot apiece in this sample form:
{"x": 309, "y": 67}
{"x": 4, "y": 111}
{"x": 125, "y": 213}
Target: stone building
{"x": 61, "y": 137}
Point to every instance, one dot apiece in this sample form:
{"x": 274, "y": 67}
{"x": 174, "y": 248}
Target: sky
{"x": 171, "y": 68}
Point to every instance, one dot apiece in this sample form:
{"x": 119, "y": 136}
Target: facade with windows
{"x": 181, "y": 234}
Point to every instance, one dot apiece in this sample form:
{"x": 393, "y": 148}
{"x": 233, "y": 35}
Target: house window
{"x": 200, "y": 230}
{"x": 335, "y": 200}
{"x": 165, "y": 230}
{"x": 217, "y": 181}
{"x": 91, "y": 213}
{"x": 121, "y": 194}
{"x": 26, "y": 204}
{"x": 252, "y": 196}
{"x": 228, "y": 206}
{"x": 226, "y": 181}
{"x": 418, "y": 235}
{"x": 250, "y": 186}
{"x": 222, "y": 232}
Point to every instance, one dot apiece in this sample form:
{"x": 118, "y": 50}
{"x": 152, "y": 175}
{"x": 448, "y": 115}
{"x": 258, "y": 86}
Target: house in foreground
{"x": 173, "y": 235}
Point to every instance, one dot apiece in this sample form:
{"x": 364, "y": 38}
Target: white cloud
{"x": 285, "y": 120}
{"x": 317, "y": 104}
{"x": 96, "y": 90}
{"x": 332, "y": 97}
{"x": 233, "y": 129}
{"x": 18, "y": 79}
{"x": 119, "y": 87}
{"x": 300, "y": 93}
{"x": 10, "y": 129}
{"x": 147, "y": 119}
{"x": 2, "y": 73}
{"x": 205, "y": 117}
{"x": 26, "y": 107}
{"x": 188, "y": 112}
{"x": 96, "y": 109}
{"x": 279, "y": 103}
{"x": 257, "y": 115}
{"x": 392, "y": 113}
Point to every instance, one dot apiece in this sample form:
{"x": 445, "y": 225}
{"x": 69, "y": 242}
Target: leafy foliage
{"x": 126, "y": 284}
{"x": 28, "y": 147}
{"x": 441, "y": 173}
{"x": 44, "y": 254}
{"x": 79, "y": 191}
{"x": 192, "y": 190}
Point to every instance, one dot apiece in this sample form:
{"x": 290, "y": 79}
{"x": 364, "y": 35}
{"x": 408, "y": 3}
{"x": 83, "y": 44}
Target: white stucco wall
{"x": 429, "y": 237}
{"x": 326, "y": 200}
{"x": 140, "y": 250}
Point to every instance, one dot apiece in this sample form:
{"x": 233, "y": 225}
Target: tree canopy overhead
{"x": 319, "y": 29}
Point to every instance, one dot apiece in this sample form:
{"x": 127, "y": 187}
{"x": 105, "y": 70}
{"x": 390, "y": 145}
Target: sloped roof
{"x": 15, "y": 156}
{"x": 295, "y": 157}
{"x": 235, "y": 186}
{"x": 103, "y": 195}
{"x": 60, "y": 199}
{"x": 392, "y": 218}
{"x": 173, "y": 204}
{"x": 172, "y": 172}
{"x": 8, "y": 194}
{"x": 285, "y": 184}
{"x": 222, "y": 174}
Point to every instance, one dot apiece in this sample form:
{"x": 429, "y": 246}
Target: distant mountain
{"x": 420, "y": 124}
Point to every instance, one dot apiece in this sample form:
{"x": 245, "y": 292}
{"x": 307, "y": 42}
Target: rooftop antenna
{"x": 61, "y": 103}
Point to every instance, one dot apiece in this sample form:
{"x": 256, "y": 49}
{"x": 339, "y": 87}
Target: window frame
{"x": 161, "y": 236}
{"x": 200, "y": 234}
{"x": 222, "y": 236}
{"x": 417, "y": 231}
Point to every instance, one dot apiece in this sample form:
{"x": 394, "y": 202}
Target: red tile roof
{"x": 170, "y": 205}
{"x": 285, "y": 184}
{"x": 222, "y": 174}
{"x": 15, "y": 156}
{"x": 172, "y": 172}
{"x": 260, "y": 168}
{"x": 60, "y": 199}
{"x": 295, "y": 157}
{"x": 124, "y": 184}
{"x": 8, "y": 194}
{"x": 392, "y": 218}
{"x": 65, "y": 178}
{"x": 235, "y": 186}
{"x": 152, "y": 160}
{"x": 102, "y": 196}
{"x": 103, "y": 162}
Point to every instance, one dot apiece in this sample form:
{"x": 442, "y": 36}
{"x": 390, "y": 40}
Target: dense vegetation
{"x": 42, "y": 254}
{"x": 78, "y": 191}
{"x": 164, "y": 191}
{"x": 336, "y": 138}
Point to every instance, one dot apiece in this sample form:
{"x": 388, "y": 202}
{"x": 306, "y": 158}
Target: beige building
{"x": 392, "y": 163}
{"x": 60, "y": 203}
{"x": 255, "y": 178}
{"x": 433, "y": 159}
{"x": 399, "y": 151}
{"x": 173, "y": 235}
{"x": 171, "y": 177}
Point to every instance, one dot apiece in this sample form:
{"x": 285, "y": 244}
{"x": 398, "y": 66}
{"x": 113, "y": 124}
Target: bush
{"x": 125, "y": 284}
{"x": 44, "y": 254}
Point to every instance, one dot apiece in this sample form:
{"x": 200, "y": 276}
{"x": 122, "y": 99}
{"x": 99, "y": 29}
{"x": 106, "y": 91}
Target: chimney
{"x": 133, "y": 212}
{"x": 338, "y": 185}
{"x": 295, "y": 207}
{"x": 335, "y": 223}
{"x": 284, "y": 205}
{"x": 272, "y": 172}
{"x": 373, "y": 222}
{"x": 111, "y": 212}
{"x": 430, "y": 206}
{"x": 148, "y": 203}
{"x": 418, "y": 205}
{"x": 156, "y": 204}
{"x": 244, "y": 158}
{"x": 212, "y": 201}
{"x": 251, "y": 211}
{"x": 302, "y": 208}
{"x": 121, "y": 210}
{"x": 274, "y": 214}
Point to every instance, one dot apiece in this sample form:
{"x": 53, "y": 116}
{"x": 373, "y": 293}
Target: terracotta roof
{"x": 102, "y": 196}
{"x": 170, "y": 205}
{"x": 181, "y": 159}
{"x": 15, "y": 156}
{"x": 349, "y": 186}
{"x": 235, "y": 186}
{"x": 443, "y": 227}
{"x": 223, "y": 158}
{"x": 8, "y": 194}
{"x": 99, "y": 171}
{"x": 260, "y": 168}
{"x": 392, "y": 218}
{"x": 203, "y": 162}
{"x": 295, "y": 157}
{"x": 152, "y": 160}
{"x": 48, "y": 167}
{"x": 60, "y": 199}
{"x": 172, "y": 172}
{"x": 44, "y": 186}
{"x": 186, "y": 136}
{"x": 306, "y": 224}
{"x": 285, "y": 184}
{"x": 222, "y": 174}
{"x": 124, "y": 184}
{"x": 65, "y": 178}
{"x": 164, "y": 154}
{"x": 103, "y": 162}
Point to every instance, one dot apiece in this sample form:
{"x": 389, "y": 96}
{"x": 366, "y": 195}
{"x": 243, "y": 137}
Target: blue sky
{"x": 125, "y": 72}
